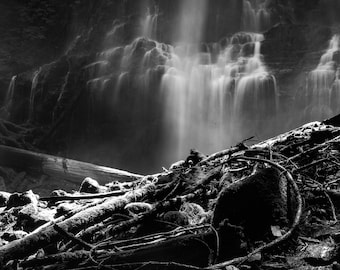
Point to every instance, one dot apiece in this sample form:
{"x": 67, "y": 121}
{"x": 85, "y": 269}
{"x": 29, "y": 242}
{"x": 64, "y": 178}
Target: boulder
{"x": 13, "y": 235}
{"x": 29, "y": 218}
{"x": 21, "y": 199}
{"x": 4, "y": 196}
{"x": 89, "y": 185}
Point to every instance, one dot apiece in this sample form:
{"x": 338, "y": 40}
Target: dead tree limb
{"x": 182, "y": 250}
{"x": 70, "y": 236}
{"x": 83, "y": 196}
{"x": 157, "y": 208}
{"x": 39, "y": 239}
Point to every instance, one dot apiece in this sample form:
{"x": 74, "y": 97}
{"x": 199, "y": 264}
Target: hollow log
{"x": 61, "y": 168}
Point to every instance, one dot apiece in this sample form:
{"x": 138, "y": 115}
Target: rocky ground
{"x": 273, "y": 205}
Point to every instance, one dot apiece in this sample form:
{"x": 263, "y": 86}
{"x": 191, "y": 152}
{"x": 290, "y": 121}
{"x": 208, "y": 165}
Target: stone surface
{"x": 301, "y": 30}
{"x": 13, "y": 235}
{"x": 21, "y": 199}
{"x": 4, "y": 196}
{"x": 64, "y": 208}
{"x": 2, "y": 184}
{"x": 89, "y": 185}
{"x": 30, "y": 218}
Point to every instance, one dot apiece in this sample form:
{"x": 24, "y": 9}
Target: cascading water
{"x": 256, "y": 16}
{"x": 171, "y": 75}
{"x": 255, "y": 100}
{"x": 214, "y": 97}
{"x": 150, "y": 97}
{"x": 323, "y": 84}
{"x": 149, "y": 25}
{"x": 209, "y": 96}
{"x": 211, "y": 103}
{"x": 32, "y": 94}
{"x": 9, "y": 97}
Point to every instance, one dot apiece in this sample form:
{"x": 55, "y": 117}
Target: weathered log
{"x": 313, "y": 133}
{"x": 69, "y": 257}
{"x": 194, "y": 250}
{"x": 82, "y": 197}
{"x": 61, "y": 168}
{"x": 41, "y": 238}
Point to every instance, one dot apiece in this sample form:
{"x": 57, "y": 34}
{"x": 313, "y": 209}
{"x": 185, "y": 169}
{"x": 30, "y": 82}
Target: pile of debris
{"x": 269, "y": 206}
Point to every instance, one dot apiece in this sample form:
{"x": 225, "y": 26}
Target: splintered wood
{"x": 273, "y": 205}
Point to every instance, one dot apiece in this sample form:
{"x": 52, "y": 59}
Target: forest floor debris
{"x": 273, "y": 205}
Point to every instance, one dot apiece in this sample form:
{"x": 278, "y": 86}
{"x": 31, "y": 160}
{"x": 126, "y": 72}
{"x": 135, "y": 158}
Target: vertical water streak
{"x": 72, "y": 45}
{"x": 34, "y": 85}
{"x": 10, "y": 93}
{"x": 322, "y": 83}
{"x": 255, "y": 100}
{"x": 256, "y": 17}
{"x": 191, "y": 21}
{"x": 61, "y": 98}
{"x": 208, "y": 92}
{"x": 116, "y": 26}
{"x": 207, "y": 102}
{"x": 149, "y": 25}
{"x": 8, "y": 100}
{"x": 335, "y": 94}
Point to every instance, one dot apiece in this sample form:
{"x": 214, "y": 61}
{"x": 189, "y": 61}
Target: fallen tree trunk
{"x": 62, "y": 168}
{"x": 307, "y": 160}
{"x": 197, "y": 248}
{"x": 41, "y": 238}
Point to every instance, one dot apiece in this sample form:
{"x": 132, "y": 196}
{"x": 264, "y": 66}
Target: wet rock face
{"x": 4, "y": 196}
{"x": 21, "y": 199}
{"x": 287, "y": 51}
{"x": 29, "y": 218}
{"x": 291, "y": 51}
{"x": 14, "y": 235}
{"x": 286, "y": 45}
{"x": 89, "y": 185}
{"x": 33, "y": 33}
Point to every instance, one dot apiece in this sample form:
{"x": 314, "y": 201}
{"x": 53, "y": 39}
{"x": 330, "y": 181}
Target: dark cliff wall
{"x": 32, "y": 33}
{"x": 64, "y": 37}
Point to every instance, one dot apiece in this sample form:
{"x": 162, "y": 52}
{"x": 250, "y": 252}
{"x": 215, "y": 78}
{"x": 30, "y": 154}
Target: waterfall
{"x": 32, "y": 94}
{"x": 205, "y": 96}
{"x": 256, "y": 16}
{"x": 63, "y": 95}
{"x": 221, "y": 94}
{"x": 255, "y": 101}
{"x": 10, "y": 91}
{"x": 323, "y": 84}
{"x": 149, "y": 25}
{"x": 208, "y": 103}
{"x": 191, "y": 21}
{"x": 6, "y": 107}
{"x": 117, "y": 63}
{"x": 335, "y": 94}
